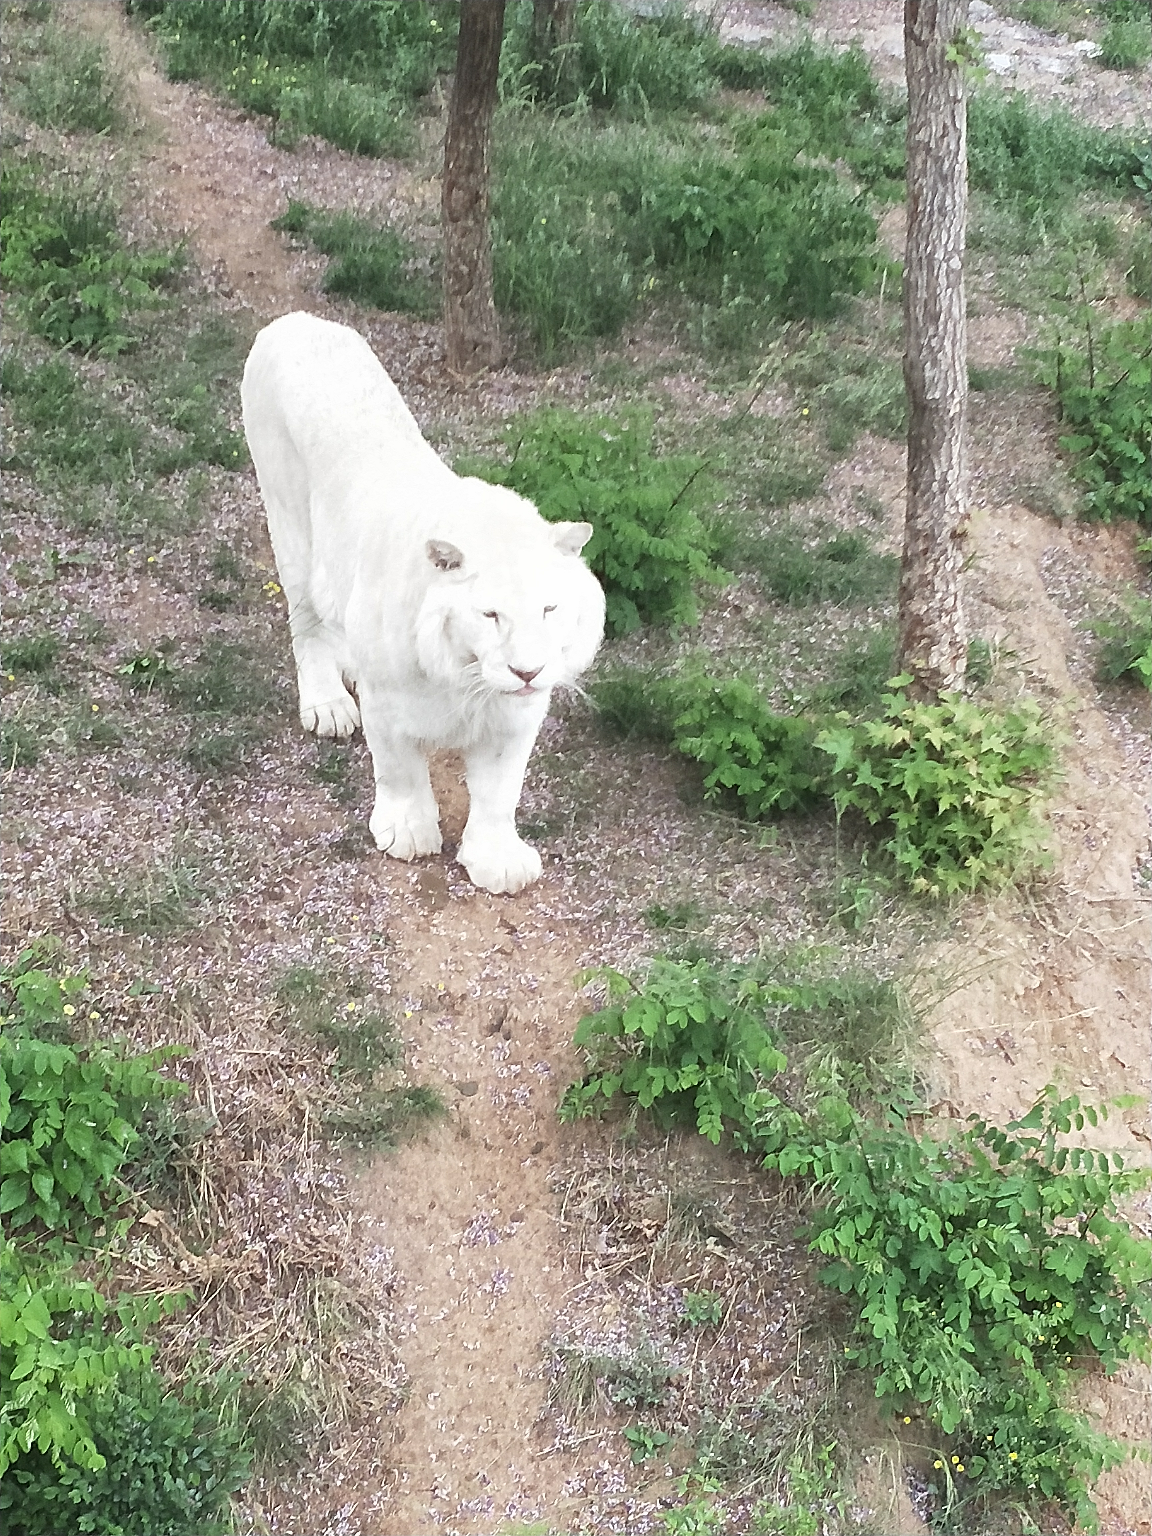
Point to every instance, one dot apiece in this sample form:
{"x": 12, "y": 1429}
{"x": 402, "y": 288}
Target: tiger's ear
{"x": 444, "y": 556}
{"x": 571, "y": 537}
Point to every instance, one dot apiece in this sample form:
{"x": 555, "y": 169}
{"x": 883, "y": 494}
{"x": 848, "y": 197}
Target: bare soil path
{"x": 1054, "y": 986}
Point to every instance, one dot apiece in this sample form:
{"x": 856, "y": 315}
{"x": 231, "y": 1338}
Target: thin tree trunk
{"x": 553, "y": 26}
{"x": 933, "y": 640}
{"x": 472, "y": 334}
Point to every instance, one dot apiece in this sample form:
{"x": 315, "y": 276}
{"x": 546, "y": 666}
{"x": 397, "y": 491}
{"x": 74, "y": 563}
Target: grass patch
{"x": 841, "y": 569}
{"x": 37, "y": 654}
{"x": 1036, "y": 159}
{"x": 156, "y": 902}
{"x": 79, "y": 286}
{"x": 350, "y": 73}
{"x": 1126, "y": 44}
{"x": 365, "y": 1055}
{"x": 68, "y": 87}
{"x": 590, "y": 219}
{"x": 370, "y": 264}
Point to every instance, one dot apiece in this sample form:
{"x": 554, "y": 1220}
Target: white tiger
{"x": 450, "y": 606}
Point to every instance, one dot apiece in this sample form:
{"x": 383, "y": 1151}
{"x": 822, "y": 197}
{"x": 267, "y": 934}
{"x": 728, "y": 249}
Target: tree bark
{"x": 933, "y": 640}
{"x": 472, "y": 334}
{"x": 553, "y": 27}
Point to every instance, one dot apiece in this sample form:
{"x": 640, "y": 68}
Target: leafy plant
{"x": 1104, "y": 391}
{"x": 62, "y": 254}
{"x": 985, "y": 1268}
{"x": 648, "y": 546}
{"x": 70, "y": 1114}
{"x": 1127, "y": 649}
{"x": 170, "y": 1463}
{"x": 703, "y": 1309}
{"x": 645, "y": 1442}
{"x": 955, "y": 786}
{"x": 686, "y": 1045}
{"x": 764, "y": 761}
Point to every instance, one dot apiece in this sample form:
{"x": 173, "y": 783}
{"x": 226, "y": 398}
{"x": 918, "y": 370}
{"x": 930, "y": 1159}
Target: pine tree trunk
{"x": 471, "y": 331}
{"x": 933, "y": 640}
{"x": 553, "y": 26}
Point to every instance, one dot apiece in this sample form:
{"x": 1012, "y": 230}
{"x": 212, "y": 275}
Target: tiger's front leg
{"x": 405, "y": 821}
{"x": 495, "y": 855}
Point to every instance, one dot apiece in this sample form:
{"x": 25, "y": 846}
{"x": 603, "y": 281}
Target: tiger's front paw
{"x": 402, "y": 831}
{"x": 500, "y": 862}
{"x": 336, "y": 717}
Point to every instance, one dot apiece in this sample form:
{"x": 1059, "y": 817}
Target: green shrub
{"x": 170, "y": 1466}
{"x": 1126, "y": 44}
{"x": 954, "y": 786}
{"x": 762, "y": 761}
{"x": 65, "y": 423}
{"x": 649, "y": 547}
{"x": 62, "y": 254}
{"x": 347, "y": 72}
{"x": 1104, "y": 391}
{"x": 371, "y": 265}
{"x": 986, "y": 1269}
{"x": 70, "y": 1113}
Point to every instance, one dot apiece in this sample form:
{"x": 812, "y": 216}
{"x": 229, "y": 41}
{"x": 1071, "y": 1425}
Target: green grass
{"x": 373, "y": 265}
{"x": 1127, "y": 44}
{"x": 841, "y": 569}
{"x": 365, "y": 1053}
{"x": 591, "y": 219}
{"x": 161, "y": 900}
{"x": 68, "y": 87}
{"x": 350, "y": 73}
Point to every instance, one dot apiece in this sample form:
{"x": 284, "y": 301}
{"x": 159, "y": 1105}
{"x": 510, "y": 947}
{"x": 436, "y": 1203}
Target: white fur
{"x": 424, "y": 592}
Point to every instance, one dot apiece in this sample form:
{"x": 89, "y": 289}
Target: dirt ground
{"x": 1051, "y": 985}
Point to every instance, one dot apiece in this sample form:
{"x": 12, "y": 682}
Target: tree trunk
{"x": 472, "y": 334}
{"x": 933, "y": 640}
{"x": 553, "y": 26}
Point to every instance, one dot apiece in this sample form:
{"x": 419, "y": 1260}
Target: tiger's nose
{"x": 525, "y": 677}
